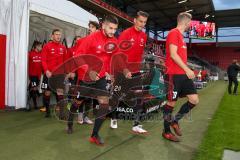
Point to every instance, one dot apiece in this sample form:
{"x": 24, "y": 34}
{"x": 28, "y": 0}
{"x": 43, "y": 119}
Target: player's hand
{"x": 127, "y": 74}
{"x": 72, "y": 75}
{"x": 190, "y": 74}
{"x": 48, "y": 74}
{"x": 112, "y": 79}
{"x": 94, "y": 76}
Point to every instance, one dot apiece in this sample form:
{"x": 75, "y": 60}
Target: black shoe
{"x": 69, "y": 130}
{"x": 61, "y": 117}
{"x": 28, "y": 110}
{"x": 47, "y": 115}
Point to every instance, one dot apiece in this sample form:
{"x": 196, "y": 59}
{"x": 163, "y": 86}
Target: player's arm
{"x": 44, "y": 62}
{"x": 176, "y": 58}
{"x": 84, "y": 48}
{"x": 124, "y": 36}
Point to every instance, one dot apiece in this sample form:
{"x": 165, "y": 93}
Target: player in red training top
{"x": 35, "y": 70}
{"x": 102, "y": 45}
{"x": 178, "y": 78}
{"x": 54, "y": 55}
{"x": 137, "y": 38}
{"x": 87, "y": 102}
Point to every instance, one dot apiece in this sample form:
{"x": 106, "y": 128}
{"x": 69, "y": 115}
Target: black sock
{"x": 87, "y": 106}
{"x": 167, "y": 117}
{"x": 72, "y": 111}
{"x": 60, "y": 103}
{"x": 136, "y": 123}
{"x": 186, "y": 107}
{"x": 100, "y": 117}
{"x": 46, "y": 103}
{"x": 97, "y": 125}
{"x": 80, "y": 108}
{"x": 34, "y": 98}
{"x": 138, "y": 110}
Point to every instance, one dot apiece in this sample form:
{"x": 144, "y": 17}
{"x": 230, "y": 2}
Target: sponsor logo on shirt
{"x": 52, "y": 50}
{"x": 99, "y": 47}
{"x": 142, "y": 42}
{"x": 37, "y": 59}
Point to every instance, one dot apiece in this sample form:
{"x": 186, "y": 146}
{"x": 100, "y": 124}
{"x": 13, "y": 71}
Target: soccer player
{"x": 101, "y": 44}
{"x": 87, "y": 102}
{"x": 53, "y": 55}
{"x": 178, "y": 77}
{"x": 35, "y": 70}
{"x": 138, "y": 39}
{"x": 93, "y": 26}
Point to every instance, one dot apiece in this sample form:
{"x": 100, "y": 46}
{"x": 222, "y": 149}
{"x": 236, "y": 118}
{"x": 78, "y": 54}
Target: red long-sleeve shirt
{"x": 101, "y": 46}
{"x": 53, "y": 55}
{"x": 35, "y": 63}
{"x": 72, "y": 50}
{"x": 138, "y": 41}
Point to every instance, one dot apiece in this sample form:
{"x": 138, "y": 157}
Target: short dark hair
{"x": 36, "y": 43}
{"x": 142, "y": 13}
{"x": 184, "y": 15}
{"x": 111, "y": 18}
{"x": 94, "y": 23}
{"x": 77, "y": 37}
{"x": 55, "y": 30}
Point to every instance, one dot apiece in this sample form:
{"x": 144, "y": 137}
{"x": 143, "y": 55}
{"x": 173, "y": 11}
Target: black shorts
{"x": 53, "y": 83}
{"x": 34, "y": 81}
{"x": 90, "y": 89}
{"x": 178, "y": 86}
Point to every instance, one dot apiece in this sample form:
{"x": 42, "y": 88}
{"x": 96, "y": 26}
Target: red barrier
{"x": 2, "y": 70}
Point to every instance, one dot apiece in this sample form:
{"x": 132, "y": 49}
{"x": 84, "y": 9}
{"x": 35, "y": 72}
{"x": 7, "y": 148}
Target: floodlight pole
{"x": 216, "y": 36}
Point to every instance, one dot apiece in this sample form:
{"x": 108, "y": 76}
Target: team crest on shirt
{"x": 110, "y": 47}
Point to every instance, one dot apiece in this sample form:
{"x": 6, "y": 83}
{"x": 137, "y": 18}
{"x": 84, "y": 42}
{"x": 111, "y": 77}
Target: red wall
{"x": 2, "y": 70}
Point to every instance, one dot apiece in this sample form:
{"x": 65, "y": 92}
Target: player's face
{"x": 187, "y": 24}
{"x": 78, "y": 38}
{"x": 57, "y": 36}
{"x": 92, "y": 29}
{"x": 39, "y": 48}
{"x": 110, "y": 29}
{"x": 140, "y": 22}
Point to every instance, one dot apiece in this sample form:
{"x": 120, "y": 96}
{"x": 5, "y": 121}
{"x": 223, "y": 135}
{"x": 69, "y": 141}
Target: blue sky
{"x": 226, "y": 4}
